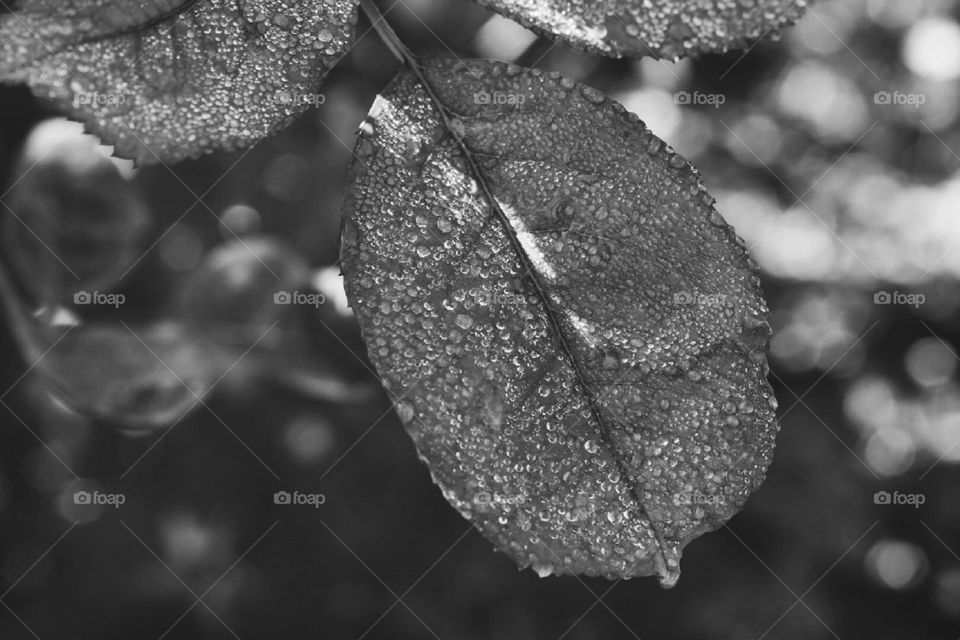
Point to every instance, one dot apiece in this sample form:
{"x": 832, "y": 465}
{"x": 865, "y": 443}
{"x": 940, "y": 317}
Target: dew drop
{"x": 405, "y": 411}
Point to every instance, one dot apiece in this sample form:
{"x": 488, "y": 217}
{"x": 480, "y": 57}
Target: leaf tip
{"x": 667, "y": 565}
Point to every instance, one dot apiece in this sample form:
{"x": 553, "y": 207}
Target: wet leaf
{"x": 72, "y": 224}
{"x": 169, "y": 79}
{"x": 575, "y": 339}
{"x": 660, "y": 28}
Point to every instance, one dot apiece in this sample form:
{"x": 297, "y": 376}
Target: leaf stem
{"x": 404, "y": 55}
{"x": 389, "y": 37}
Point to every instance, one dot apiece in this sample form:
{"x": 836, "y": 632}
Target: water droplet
{"x": 405, "y": 411}
{"x": 668, "y": 568}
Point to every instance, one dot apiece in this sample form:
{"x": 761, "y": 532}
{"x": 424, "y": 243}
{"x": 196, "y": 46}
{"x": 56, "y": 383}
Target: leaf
{"x": 71, "y": 223}
{"x": 144, "y": 378}
{"x": 251, "y": 297}
{"x": 574, "y": 336}
{"x": 231, "y": 295}
{"x": 139, "y": 378}
{"x": 170, "y": 79}
{"x": 659, "y": 28}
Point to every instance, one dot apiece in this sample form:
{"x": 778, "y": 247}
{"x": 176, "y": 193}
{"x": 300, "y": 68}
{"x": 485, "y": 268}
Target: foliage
{"x": 532, "y": 292}
{"x": 866, "y": 390}
{"x": 661, "y": 399}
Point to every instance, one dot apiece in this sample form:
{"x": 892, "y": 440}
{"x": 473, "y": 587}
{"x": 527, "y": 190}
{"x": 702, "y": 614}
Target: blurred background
{"x": 834, "y": 153}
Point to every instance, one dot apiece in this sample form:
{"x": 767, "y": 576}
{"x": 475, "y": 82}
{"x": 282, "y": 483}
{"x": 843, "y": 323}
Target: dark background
{"x": 839, "y": 196}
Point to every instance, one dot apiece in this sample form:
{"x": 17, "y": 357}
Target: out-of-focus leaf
{"x": 242, "y": 288}
{"x": 169, "y": 79}
{"x": 71, "y": 223}
{"x": 300, "y": 364}
{"x": 575, "y": 338}
{"x": 659, "y": 28}
{"x": 135, "y": 378}
{"x": 252, "y": 297}
{"x": 138, "y": 378}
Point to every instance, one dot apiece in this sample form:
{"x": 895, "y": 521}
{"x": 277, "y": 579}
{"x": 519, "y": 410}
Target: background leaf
{"x": 71, "y": 221}
{"x": 231, "y": 294}
{"x": 661, "y": 28}
{"x": 252, "y": 297}
{"x": 169, "y": 79}
{"x": 140, "y": 378}
{"x": 581, "y": 365}
{"x": 144, "y": 378}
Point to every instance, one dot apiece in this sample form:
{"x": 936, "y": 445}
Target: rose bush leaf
{"x": 164, "y": 80}
{"x": 661, "y": 28}
{"x": 574, "y": 337}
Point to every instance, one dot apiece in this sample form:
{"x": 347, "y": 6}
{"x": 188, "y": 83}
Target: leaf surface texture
{"x": 168, "y": 79}
{"x": 660, "y": 28}
{"x": 574, "y": 337}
